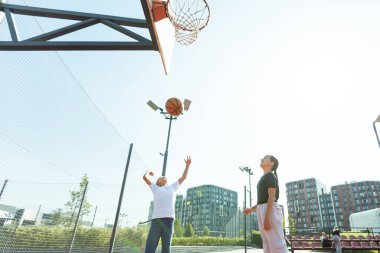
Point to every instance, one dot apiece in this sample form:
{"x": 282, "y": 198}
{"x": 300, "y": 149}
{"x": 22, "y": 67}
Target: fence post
{"x": 77, "y": 220}
{"x": 112, "y": 241}
{"x": 3, "y": 188}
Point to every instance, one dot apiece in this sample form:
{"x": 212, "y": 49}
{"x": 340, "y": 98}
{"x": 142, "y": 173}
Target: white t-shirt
{"x": 164, "y": 200}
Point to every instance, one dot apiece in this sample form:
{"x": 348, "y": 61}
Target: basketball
{"x": 173, "y": 106}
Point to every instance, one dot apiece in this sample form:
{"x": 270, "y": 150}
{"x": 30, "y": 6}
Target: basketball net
{"x": 189, "y": 17}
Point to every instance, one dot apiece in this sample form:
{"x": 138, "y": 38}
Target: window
{"x": 296, "y": 206}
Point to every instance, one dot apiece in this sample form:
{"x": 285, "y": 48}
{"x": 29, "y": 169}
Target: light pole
{"x": 170, "y": 118}
{"x": 250, "y": 173}
{"x": 374, "y": 128}
{"x": 245, "y": 219}
{"x": 199, "y": 196}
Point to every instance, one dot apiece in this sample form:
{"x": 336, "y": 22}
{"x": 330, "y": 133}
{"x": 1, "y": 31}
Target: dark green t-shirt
{"x": 268, "y": 180}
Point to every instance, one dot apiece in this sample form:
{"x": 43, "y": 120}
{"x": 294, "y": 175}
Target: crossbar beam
{"x": 65, "y": 30}
{"x": 42, "y": 42}
{"x": 70, "y": 15}
{"x": 11, "y": 25}
{"x": 73, "y": 46}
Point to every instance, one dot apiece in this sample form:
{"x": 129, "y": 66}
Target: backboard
{"x": 164, "y": 32}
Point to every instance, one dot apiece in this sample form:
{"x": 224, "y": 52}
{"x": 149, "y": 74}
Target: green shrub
{"x": 60, "y": 237}
{"x": 206, "y": 241}
{"x": 189, "y": 231}
{"x": 206, "y": 231}
{"x": 256, "y": 239}
{"x": 178, "y": 229}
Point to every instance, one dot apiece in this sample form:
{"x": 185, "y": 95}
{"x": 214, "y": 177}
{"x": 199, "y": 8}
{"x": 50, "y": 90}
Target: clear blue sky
{"x": 296, "y": 79}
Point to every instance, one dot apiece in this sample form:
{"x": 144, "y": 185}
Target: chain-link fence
{"x": 62, "y": 162}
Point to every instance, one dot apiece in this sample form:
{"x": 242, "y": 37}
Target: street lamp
{"x": 374, "y": 127}
{"x": 199, "y": 196}
{"x": 170, "y": 118}
{"x": 250, "y": 173}
{"x": 245, "y": 219}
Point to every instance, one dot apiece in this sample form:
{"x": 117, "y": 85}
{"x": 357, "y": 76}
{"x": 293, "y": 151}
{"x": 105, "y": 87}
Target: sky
{"x": 295, "y": 79}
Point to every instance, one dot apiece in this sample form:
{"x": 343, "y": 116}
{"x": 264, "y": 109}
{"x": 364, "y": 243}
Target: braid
{"x": 275, "y": 165}
{"x": 274, "y": 169}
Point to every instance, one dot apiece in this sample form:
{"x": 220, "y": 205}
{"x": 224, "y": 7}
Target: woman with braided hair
{"x": 269, "y": 214}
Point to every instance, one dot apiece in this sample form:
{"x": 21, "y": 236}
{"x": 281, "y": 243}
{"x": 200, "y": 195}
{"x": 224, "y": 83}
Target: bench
{"x": 360, "y": 245}
{"x": 299, "y": 244}
{"x": 352, "y": 243}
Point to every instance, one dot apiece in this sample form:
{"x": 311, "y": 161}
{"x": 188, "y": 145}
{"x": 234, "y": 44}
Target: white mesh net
{"x": 189, "y": 17}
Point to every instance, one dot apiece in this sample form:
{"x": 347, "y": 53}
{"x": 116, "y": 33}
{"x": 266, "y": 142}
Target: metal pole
{"x": 377, "y": 136}
{"x": 245, "y": 220}
{"x": 167, "y": 146}
{"x": 250, "y": 193}
{"x": 112, "y": 241}
{"x": 3, "y": 188}
{"x": 38, "y": 213}
{"x": 93, "y": 219}
{"x": 77, "y": 220}
{"x": 239, "y": 224}
{"x": 250, "y": 205}
{"x": 73, "y": 214}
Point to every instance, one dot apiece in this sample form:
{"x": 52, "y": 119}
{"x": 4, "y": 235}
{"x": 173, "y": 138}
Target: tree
{"x": 206, "y": 231}
{"x": 292, "y": 226}
{"x": 58, "y": 217}
{"x": 189, "y": 231}
{"x": 75, "y": 200}
{"x": 178, "y": 229}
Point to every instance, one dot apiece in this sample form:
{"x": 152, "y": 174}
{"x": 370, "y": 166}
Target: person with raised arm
{"x": 164, "y": 196}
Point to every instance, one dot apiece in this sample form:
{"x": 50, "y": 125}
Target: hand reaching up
{"x": 188, "y": 161}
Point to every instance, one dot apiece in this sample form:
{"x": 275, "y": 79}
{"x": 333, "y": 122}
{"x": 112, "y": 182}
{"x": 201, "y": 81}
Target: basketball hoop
{"x": 188, "y": 17}
{"x": 185, "y": 37}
